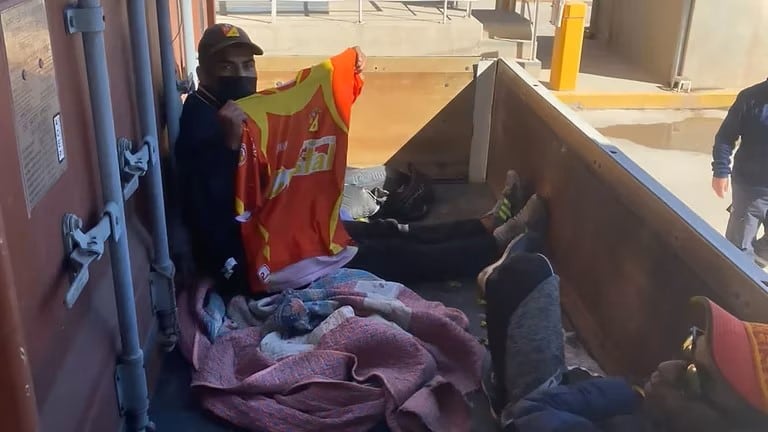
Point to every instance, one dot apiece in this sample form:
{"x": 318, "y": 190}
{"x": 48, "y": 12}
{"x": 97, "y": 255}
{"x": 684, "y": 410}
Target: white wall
{"x": 728, "y": 44}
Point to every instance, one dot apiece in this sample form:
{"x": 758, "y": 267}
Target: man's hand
{"x": 721, "y": 186}
{"x": 361, "y": 60}
{"x": 232, "y": 117}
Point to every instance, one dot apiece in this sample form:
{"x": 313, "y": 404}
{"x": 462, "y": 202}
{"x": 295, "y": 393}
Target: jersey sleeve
{"x": 347, "y": 83}
{"x": 248, "y": 182}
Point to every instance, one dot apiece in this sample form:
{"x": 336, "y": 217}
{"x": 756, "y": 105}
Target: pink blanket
{"x": 361, "y": 372}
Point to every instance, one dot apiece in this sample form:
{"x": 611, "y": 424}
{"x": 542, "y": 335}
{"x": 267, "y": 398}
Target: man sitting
{"x": 717, "y": 385}
{"x": 207, "y": 154}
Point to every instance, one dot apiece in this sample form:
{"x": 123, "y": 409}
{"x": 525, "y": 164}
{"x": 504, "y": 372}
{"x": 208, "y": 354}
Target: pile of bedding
{"x": 341, "y": 355}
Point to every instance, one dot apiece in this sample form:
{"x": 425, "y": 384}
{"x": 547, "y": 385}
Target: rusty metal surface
{"x": 18, "y": 395}
{"x": 71, "y": 354}
{"x": 630, "y": 253}
{"x": 35, "y": 98}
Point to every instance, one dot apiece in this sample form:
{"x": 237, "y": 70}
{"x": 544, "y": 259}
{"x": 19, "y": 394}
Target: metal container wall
{"x": 61, "y": 363}
{"x": 630, "y": 253}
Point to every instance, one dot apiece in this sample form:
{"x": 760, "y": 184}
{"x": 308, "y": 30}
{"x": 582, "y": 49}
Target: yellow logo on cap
{"x": 230, "y": 30}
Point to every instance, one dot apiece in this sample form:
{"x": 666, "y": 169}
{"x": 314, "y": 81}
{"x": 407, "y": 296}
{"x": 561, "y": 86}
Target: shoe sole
{"x": 482, "y": 278}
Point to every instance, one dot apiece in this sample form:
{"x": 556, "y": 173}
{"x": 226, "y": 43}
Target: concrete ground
{"x": 673, "y": 146}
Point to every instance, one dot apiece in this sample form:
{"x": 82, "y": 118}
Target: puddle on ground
{"x": 695, "y": 134}
{"x": 678, "y": 155}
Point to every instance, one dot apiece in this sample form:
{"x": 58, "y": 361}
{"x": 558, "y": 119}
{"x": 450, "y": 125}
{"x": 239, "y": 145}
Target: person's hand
{"x": 361, "y": 60}
{"x": 668, "y": 403}
{"x": 232, "y": 117}
{"x": 721, "y": 186}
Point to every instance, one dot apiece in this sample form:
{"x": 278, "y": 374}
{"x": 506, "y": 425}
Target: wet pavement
{"x": 675, "y": 148}
{"x": 695, "y": 134}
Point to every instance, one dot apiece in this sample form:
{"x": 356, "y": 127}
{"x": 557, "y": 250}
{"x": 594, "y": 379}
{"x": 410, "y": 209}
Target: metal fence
{"x": 273, "y": 6}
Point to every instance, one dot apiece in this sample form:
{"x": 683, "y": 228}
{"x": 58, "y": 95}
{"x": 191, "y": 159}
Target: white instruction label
{"x": 59, "y": 137}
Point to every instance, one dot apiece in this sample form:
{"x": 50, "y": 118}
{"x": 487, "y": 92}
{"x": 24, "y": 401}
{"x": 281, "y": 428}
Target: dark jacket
{"x": 596, "y": 405}
{"x": 748, "y": 119}
{"x": 206, "y": 176}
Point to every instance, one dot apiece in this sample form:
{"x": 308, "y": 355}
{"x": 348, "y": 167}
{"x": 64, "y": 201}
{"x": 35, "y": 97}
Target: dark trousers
{"x": 750, "y": 204}
{"x": 426, "y": 253}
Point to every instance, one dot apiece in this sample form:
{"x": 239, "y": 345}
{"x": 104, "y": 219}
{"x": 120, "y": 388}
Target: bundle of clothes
{"x": 343, "y": 354}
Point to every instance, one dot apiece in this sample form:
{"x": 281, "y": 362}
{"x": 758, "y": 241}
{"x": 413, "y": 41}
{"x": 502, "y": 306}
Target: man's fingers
{"x": 360, "y": 61}
{"x": 720, "y": 186}
{"x": 232, "y": 111}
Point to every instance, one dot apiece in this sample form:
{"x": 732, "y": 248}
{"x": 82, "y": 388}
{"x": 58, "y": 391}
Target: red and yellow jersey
{"x": 290, "y": 177}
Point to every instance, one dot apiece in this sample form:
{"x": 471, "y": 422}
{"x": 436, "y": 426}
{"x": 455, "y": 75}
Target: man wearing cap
{"x": 719, "y": 383}
{"x": 209, "y": 130}
{"x": 207, "y": 154}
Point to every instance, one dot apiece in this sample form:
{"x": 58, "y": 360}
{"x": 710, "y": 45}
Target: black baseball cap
{"x": 219, "y": 36}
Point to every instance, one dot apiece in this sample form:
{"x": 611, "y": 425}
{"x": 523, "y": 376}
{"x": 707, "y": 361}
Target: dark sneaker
{"x": 529, "y": 242}
{"x": 533, "y": 216}
{"x": 513, "y": 197}
{"x": 525, "y": 334}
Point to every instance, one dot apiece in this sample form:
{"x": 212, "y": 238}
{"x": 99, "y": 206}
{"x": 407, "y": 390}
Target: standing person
{"x": 207, "y": 155}
{"x": 747, "y": 119}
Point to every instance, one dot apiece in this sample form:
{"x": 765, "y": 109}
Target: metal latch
{"x": 135, "y": 165}
{"x": 83, "y": 248}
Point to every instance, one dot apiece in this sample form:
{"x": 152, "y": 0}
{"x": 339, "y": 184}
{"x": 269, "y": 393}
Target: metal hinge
{"x": 135, "y": 165}
{"x": 162, "y": 296}
{"x": 83, "y": 248}
{"x": 83, "y": 20}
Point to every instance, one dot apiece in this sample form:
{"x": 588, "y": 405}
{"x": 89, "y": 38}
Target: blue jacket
{"x": 597, "y": 405}
{"x": 747, "y": 118}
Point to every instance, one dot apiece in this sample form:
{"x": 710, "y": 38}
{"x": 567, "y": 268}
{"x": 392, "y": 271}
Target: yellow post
{"x": 569, "y": 39}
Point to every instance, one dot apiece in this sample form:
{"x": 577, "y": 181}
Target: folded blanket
{"x": 399, "y": 357}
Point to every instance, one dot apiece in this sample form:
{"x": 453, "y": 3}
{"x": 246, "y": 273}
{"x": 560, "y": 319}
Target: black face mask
{"x": 234, "y": 88}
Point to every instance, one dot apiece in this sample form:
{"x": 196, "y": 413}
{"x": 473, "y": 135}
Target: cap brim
{"x": 732, "y": 352}
{"x": 227, "y": 43}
